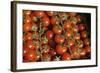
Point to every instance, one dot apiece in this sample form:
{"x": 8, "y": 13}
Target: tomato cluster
{"x": 54, "y": 36}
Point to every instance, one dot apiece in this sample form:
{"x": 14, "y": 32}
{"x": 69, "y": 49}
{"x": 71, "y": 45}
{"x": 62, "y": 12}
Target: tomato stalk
{"x": 64, "y": 33}
{"x": 40, "y": 34}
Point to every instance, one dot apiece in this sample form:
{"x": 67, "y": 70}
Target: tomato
{"x": 54, "y": 20}
{"x": 87, "y": 49}
{"x": 52, "y": 43}
{"x": 46, "y": 57}
{"x": 69, "y": 33}
{"x": 61, "y": 49}
{"x": 38, "y": 57}
{"x": 66, "y": 56}
{"x": 71, "y": 43}
{"x": 74, "y": 48}
{"x": 63, "y": 16}
{"x": 72, "y": 13}
{"x": 34, "y": 27}
{"x": 77, "y": 36}
{"x": 39, "y": 13}
{"x": 30, "y": 44}
{"x": 45, "y": 48}
{"x": 34, "y": 18}
{"x": 31, "y": 56}
{"x": 82, "y": 53}
{"x": 57, "y": 29}
{"x": 27, "y": 12}
{"x": 86, "y": 42}
{"x": 28, "y": 36}
{"x": 44, "y": 40}
{"x": 45, "y": 28}
{"x": 67, "y": 25}
{"x": 74, "y": 20}
{"x": 75, "y": 55}
{"x": 78, "y": 17}
{"x": 25, "y": 50}
{"x": 75, "y": 29}
{"x": 59, "y": 39}
{"x": 49, "y": 34}
{"x": 35, "y": 35}
{"x": 79, "y": 43}
{"x": 50, "y": 13}
{"x": 81, "y": 27}
{"x": 52, "y": 52}
{"x": 84, "y": 34}
{"x": 45, "y": 21}
{"x": 26, "y": 27}
{"x": 27, "y": 19}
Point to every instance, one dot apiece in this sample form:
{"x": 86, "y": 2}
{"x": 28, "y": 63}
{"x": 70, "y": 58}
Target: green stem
{"x": 64, "y": 33}
{"x": 40, "y": 42}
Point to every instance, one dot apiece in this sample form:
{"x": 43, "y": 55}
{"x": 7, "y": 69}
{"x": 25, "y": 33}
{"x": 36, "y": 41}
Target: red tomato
{"x": 25, "y": 50}
{"x": 45, "y": 21}
{"x": 34, "y": 18}
{"x": 86, "y": 42}
{"x": 54, "y": 20}
{"x": 71, "y": 43}
{"x": 67, "y": 25}
{"x": 77, "y": 36}
{"x": 28, "y": 36}
{"x": 27, "y": 20}
{"x": 52, "y": 43}
{"x": 39, "y": 13}
{"x": 72, "y": 13}
{"x": 66, "y": 56}
{"x": 75, "y": 55}
{"x": 57, "y": 29}
{"x": 78, "y": 18}
{"x": 87, "y": 49}
{"x": 82, "y": 53}
{"x": 49, "y": 34}
{"x": 30, "y": 44}
{"x": 31, "y": 56}
{"x": 50, "y": 13}
{"x": 63, "y": 16}
{"x": 52, "y": 52}
{"x": 60, "y": 49}
{"x": 27, "y": 12}
{"x": 26, "y": 27}
{"x": 79, "y": 43}
{"x": 69, "y": 33}
{"x": 84, "y": 34}
{"x": 59, "y": 39}
{"x": 75, "y": 29}
{"x": 81, "y": 27}
{"x": 74, "y": 49}
{"x": 46, "y": 57}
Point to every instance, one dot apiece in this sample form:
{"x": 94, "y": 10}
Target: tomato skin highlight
{"x": 60, "y": 49}
{"x": 26, "y": 27}
{"x": 49, "y": 34}
{"x": 66, "y": 56}
{"x": 59, "y": 39}
{"x": 57, "y": 29}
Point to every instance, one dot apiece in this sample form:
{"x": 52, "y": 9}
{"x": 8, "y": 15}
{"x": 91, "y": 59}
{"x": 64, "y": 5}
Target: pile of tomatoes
{"x": 55, "y": 36}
